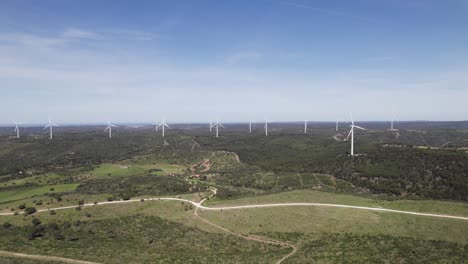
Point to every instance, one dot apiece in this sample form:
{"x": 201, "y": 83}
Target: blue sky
{"x": 90, "y": 61}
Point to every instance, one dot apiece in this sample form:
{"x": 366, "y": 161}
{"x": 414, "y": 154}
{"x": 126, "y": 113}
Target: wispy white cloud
{"x": 240, "y": 57}
{"x": 324, "y": 10}
{"x": 129, "y": 34}
{"x": 30, "y": 40}
{"x": 79, "y": 33}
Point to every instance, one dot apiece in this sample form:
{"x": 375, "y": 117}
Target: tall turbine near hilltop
{"x": 266, "y": 127}
{"x": 163, "y": 125}
{"x": 17, "y": 129}
{"x": 351, "y": 133}
{"x": 50, "y": 125}
{"x": 109, "y": 128}
{"x": 217, "y": 125}
{"x": 305, "y": 127}
{"x": 392, "y": 121}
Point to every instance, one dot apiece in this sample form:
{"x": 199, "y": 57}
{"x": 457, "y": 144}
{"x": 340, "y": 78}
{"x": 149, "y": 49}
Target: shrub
{"x": 36, "y": 221}
{"x": 52, "y": 212}
{"x": 22, "y": 206}
{"x": 30, "y": 210}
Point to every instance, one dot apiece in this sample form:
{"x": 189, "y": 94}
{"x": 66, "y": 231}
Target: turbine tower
{"x": 250, "y": 127}
{"x": 305, "y": 127}
{"x": 17, "y": 129}
{"x": 266, "y": 127}
{"x": 163, "y": 125}
{"x": 211, "y": 126}
{"x": 109, "y": 128}
{"x": 351, "y": 133}
{"x": 50, "y": 125}
{"x": 336, "y": 127}
{"x": 217, "y": 125}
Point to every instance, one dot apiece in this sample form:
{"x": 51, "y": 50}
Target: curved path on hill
{"x": 200, "y": 206}
{"x": 268, "y": 205}
{"x": 44, "y": 258}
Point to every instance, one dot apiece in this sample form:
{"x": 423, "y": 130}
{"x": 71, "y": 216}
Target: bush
{"x": 7, "y": 225}
{"x": 110, "y": 199}
{"x": 36, "y": 221}
{"x": 30, "y": 210}
{"x": 52, "y": 212}
{"x": 22, "y": 206}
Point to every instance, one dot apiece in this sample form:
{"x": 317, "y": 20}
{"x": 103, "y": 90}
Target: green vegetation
{"x": 78, "y": 168}
{"x": 18, "y": 194}
{"x": 115, "y": 234}
{"x": 351, "y": 248}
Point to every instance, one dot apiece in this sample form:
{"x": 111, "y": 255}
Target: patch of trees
{"x": 128, "y": 187}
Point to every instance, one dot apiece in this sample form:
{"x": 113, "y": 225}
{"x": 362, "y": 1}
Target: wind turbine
{"x": 211, "y": 125}
{"x": 392, "y": 121}
{"x": 336, "y": 127}
{"x": 17, "y": 129}
{"x": 266, "y": 127}
{"x": 305, "y": 127}
{"x": 50, "y": 125}
{"x": 250, "y": 127}
{"x": 163, "y": 125}
{"x": 217, "y": 125}
{"x": 351, "y": 133}
{"x": 109, "y": 128}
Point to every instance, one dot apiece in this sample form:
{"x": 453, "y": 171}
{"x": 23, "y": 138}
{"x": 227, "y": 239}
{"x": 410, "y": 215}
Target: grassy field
{"x": 143, "y": 232}
{"x": 339, "y": 220}
{"x": 14, "y": 195}
{"x": 425, "y": 206}
{"x": 135, "y": 169}
{"x": 38, "y": 179}
{"x": 16, "y": 260}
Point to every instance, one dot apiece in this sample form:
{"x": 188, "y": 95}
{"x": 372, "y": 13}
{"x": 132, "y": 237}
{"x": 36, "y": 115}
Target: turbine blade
{"x": 107, "y": 128}
{"x": 349, "y": 134}
{"x": 360, "y": 127}
{"x": 47, "y": 126}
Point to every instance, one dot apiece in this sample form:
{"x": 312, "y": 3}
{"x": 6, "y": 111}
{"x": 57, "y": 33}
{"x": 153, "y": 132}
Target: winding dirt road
{"x": 45, "y": 258}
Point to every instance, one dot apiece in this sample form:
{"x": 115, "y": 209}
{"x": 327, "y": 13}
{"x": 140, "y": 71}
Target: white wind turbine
{"x": 17, "y": 129}
{"x": 336, "y": 127}
{"x": 109, "y": 128}
{"x": 266, "y": 127}
{"x": 250, "y": 127}
{"x": 50, "y": 125}
{"x": 351, "y": 133}
{"x": 163, "y": 125}
{"x": 392, "y": 121}
{"x": 305, "y": 127}
{"x": 217, "y": 125}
